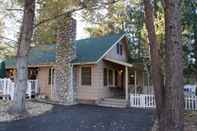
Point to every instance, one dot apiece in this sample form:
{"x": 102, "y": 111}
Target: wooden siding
{"x": 45, "y": 88}
{"x": 114, "y": 55}
{"x": 96, "y": 90}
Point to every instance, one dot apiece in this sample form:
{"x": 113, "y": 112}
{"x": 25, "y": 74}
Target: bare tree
{"x": 23, "y": 47}
{"x": 169, "y": 96}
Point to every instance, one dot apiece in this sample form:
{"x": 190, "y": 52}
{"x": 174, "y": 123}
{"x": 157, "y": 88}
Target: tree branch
{"x": 14, "y": 9}
{"x": 82, "y": 6}
{"x": 57, "y": 16}
{"x": 6, "y": 38}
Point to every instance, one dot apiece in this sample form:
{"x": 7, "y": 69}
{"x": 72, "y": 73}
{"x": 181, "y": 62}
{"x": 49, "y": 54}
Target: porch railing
{"x": 148, "y": 101}
{"x": 7, "y": 88}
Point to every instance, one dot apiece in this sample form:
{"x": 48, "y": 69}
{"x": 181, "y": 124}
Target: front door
{"x": 119, "y": 82}
{"x": 119, "y": 78}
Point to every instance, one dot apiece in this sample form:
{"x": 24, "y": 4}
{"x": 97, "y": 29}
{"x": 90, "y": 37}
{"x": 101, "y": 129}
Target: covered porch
{"x": 122, "y": 78}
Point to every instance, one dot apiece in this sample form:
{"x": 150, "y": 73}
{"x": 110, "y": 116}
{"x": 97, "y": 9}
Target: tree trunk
{"x": 174, "y": 98}
{"x": 169, "y": 97}
{"x": 155, "y": 58}
{"x": 23, "y": 47}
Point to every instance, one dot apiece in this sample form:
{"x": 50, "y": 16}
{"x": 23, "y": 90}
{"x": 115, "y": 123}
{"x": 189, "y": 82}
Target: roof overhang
{"x": 32, "y": 66}
{"x": 84, "y": 63}
{"x": 119, "y": 62}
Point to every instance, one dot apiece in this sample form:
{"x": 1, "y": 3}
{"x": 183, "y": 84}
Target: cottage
{"x": 100, "y": 70}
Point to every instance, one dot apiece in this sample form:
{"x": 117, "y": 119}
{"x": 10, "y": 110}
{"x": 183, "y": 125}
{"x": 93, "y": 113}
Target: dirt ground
{"x": 190, "y": 123}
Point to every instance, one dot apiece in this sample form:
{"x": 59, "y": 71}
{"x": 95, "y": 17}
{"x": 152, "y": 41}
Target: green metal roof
{"x": 88, "y": 50}
{"x": 42, "y": 55}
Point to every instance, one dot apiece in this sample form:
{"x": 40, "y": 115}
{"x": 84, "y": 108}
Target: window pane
{"x": 110, "y": 77}
{"x": 105, "y": 77}
{"x": 86, "y": 75}
{"x": 49, "y": 77}
{"x": 120, "y": 49}
{"x": 116, "y": 78}
{"x": 117, "y": 48}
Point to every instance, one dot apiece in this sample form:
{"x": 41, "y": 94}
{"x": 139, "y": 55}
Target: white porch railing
{"x": 7, "y": 88}
{"x": 142, "y": 101}
{"x": 148, "y": 101}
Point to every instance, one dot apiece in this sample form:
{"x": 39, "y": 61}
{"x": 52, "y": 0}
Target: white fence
{"x": 148, "y": 101}
{"x": 7, "y": 88}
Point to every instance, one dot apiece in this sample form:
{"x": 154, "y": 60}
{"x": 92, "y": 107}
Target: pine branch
{"x": 6, "y": 38}
{"x": 81, "y": 7}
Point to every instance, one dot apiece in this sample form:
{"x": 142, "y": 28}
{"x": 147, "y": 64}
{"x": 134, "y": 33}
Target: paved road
{"x": 84, "y": 118}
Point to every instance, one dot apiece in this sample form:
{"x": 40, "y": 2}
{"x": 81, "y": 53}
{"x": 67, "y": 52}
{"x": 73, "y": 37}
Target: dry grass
{"x": 33, "y": 109}
{"x": 190, "y": 123}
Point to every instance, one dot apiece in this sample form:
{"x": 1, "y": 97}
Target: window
{"x": 119, "y": 48}
{"x": 110, "y": 77}
{"x": 116, "y": 78}
{"x": 105, "y": 77}
{"x": 86, "y": 75}
{"x": 51, "y": 76}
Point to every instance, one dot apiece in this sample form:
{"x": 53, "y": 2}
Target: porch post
{"x": 52, "y": 81}
{"x": 135, "y": 82}
{"x": 126, "y": 84}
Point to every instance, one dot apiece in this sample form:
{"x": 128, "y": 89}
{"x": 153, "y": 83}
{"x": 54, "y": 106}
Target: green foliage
{"x": 110, "y": 19}
{"x": 121, "y": 17}
{"x": 46, "y": 32}
{"x": 189, "y": 19}
{"x": 2, "y": 70}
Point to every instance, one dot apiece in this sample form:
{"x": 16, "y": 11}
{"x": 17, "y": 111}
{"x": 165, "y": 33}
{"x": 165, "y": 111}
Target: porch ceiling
{"x": 119, "y": 62}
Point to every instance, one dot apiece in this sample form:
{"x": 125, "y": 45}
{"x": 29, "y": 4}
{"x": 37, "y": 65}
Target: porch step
{"x": 112, "y": 102}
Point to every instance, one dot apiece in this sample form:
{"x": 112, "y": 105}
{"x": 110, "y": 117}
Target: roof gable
{"x": 93, "y": 49}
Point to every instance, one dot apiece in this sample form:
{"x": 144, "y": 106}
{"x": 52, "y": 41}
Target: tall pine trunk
{"x": 156, "y": 71}
{"x": 23, "y": 47}
{"x": 169, "y": 96}
{"x": 174, "y": 98}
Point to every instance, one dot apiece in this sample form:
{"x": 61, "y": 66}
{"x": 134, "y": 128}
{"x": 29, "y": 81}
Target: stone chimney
{"x": 65, "y": 52}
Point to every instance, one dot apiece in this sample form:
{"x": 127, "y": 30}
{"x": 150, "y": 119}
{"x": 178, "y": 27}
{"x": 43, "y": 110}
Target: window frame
{"x": 81, "y": 74}
{"x": 119, "y": 49}
{"x": 110, "y": 81}
{"x": 51, "y": 73}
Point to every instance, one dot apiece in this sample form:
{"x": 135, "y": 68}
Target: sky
{"x": 81, "y": 25}
{"x": 12, "y": 27}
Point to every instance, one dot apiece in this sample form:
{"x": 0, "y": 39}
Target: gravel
{"x": 33, "y": 109}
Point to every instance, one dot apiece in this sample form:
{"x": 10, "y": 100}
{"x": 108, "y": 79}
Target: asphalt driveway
{"x": 84, "y": 118}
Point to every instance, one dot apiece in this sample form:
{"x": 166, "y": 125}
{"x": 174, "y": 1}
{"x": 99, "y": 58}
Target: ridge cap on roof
{"x": 101, "y": 37}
